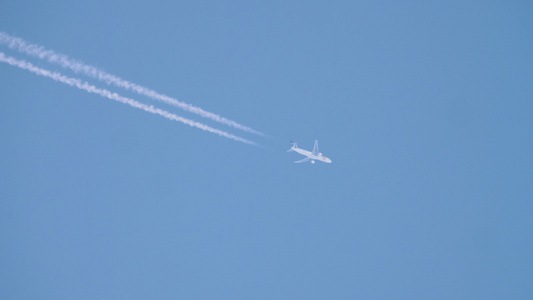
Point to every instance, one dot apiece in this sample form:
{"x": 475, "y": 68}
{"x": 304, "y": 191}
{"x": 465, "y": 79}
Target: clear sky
{"x": 425, "y": 108}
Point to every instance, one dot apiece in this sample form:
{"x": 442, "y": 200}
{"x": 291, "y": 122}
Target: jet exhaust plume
{"x": 79, "y": 67}
{"x": 114, "y": 96}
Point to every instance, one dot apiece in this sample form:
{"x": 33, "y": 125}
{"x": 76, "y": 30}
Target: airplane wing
{"x": 302, "y": 160}
{"x": 315, "y": 148}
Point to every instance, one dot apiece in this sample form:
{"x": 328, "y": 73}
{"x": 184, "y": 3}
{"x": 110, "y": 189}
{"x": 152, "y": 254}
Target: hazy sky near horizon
{"x": 424, "y": 108}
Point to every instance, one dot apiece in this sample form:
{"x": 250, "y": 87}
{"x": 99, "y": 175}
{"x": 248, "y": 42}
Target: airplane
{"x": 311, "y": 156}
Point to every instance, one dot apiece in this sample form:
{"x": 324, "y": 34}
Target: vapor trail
{"x": 114, "y": 96}
{"x": 79, "y": 67}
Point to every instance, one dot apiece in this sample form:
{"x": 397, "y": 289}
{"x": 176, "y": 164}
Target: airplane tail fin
{"x": 293, "y": 145}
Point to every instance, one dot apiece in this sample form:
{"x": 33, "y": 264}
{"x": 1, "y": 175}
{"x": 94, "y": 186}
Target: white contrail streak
{"x": 78, "y": 67}
{"x": 113, "y": 96}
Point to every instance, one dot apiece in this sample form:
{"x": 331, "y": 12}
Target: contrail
{"x": 78, "y": 67}
{"x": 114, "y": 96}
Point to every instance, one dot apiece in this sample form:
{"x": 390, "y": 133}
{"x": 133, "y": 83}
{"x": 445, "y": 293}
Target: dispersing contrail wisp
{"x": 114, "y": 96}
{"x": 66, "y": 62}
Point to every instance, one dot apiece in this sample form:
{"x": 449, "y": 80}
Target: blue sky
{"x": 424, "y": 108}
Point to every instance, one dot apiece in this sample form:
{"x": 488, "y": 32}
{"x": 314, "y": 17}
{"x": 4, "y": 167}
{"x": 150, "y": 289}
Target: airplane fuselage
{"x": 312, "y": 157}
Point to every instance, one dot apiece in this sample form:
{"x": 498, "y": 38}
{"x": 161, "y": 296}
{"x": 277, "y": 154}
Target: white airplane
{"x": 311, "y": 156}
